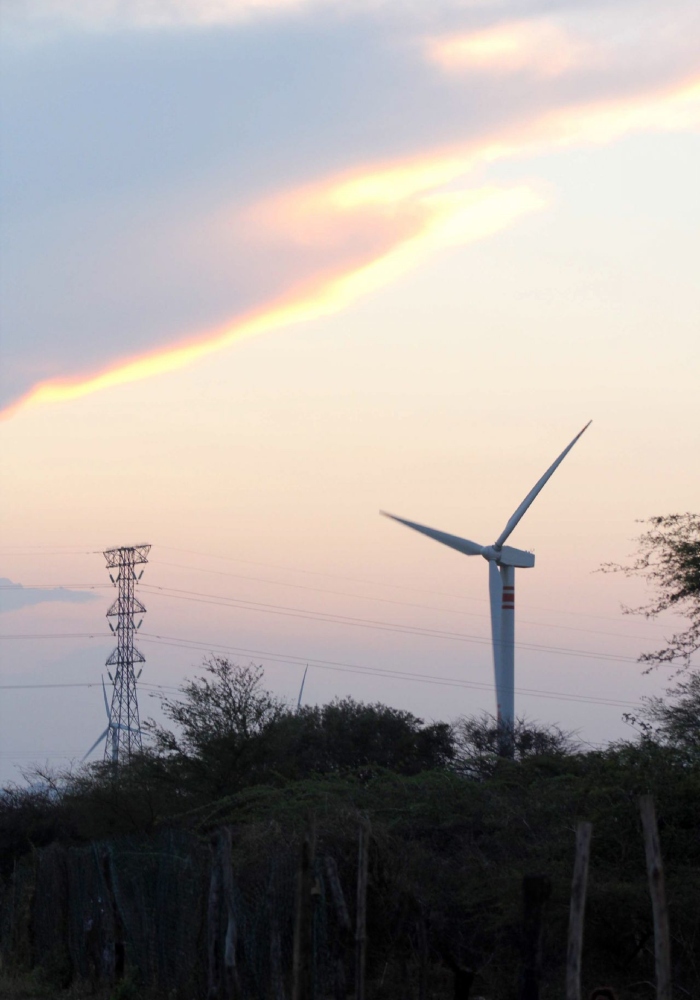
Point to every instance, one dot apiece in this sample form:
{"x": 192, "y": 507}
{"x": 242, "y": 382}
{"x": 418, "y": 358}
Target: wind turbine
{"x": 110, "y": 734}
{"x": 503, "y": 560}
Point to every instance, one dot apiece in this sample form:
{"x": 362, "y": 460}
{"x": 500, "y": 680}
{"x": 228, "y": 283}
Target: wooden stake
{"x": 213, "y": 983}
{"x": 341, "y": 942}
{"x": 662, "y": 936}
{"x": 576, "y": 913}
{"x": 361, "y": 920}
{"x": 536, "y": 892}
{"x": 422, "y": 935}
{"x": 337, "y": 894}
{"x": 302, "y": 966}
{"x": 231, "y": 987}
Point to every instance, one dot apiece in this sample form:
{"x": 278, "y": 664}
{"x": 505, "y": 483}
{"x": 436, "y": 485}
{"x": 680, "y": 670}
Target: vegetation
{"x": 668, "y": 557}
{"x": 455, "y": 827}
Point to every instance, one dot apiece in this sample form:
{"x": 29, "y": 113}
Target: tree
{"x": 477, "y": 742}
{"x": 347, "y": 735}
{"x": 668, "y": 557}
{"x": 674, "y": 723}
{"x": 231, "y": 733}
{"x": 229, "y": 705}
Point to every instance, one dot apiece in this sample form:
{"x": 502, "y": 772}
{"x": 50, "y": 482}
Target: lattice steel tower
{"x": 124, "y": 727}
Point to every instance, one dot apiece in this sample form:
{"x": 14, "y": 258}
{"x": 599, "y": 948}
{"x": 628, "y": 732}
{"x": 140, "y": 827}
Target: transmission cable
{"x": 388, "y": 600}
{"x": 293, "y": 612}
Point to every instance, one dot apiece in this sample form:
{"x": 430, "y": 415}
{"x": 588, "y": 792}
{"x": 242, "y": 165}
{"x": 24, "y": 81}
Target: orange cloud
{"x": 540, "y": 47}
{"x": 676, "y": 108}
{"x": 412, "y": 204}
{"x": 447, "y": 219}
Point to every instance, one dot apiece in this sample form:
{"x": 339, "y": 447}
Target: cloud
{"x": 538, "y": 46}
{"x": 444, "y": 220}
{"x": 29, "y": 16}
{"x": 14, "y": 596}
{"x": 411, "y": 210}
{"x": 208, "y": 187}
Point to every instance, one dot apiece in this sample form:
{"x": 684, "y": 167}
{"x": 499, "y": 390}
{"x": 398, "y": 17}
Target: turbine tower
{"x": 503, "y": 560}
{"x": 123, "y": 733}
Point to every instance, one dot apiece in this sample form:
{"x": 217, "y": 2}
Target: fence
{"x": 258, "y": 913}
{"x": 173, "y": 914}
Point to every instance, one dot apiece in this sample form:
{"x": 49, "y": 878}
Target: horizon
{"x": 272, "y": 267}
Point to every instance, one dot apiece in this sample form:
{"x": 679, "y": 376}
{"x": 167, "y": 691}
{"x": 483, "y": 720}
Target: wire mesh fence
{"x": 175, "y": 915}
{"x": 260, "y": 911}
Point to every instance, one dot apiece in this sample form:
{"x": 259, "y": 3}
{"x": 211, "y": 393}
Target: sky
{"x": 270, "y": 266}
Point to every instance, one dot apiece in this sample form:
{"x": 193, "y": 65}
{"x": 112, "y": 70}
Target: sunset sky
{"x": 270, "y": 266}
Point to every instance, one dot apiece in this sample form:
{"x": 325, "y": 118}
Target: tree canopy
{"x": 227, "y": 703}
{"x": 228, "y": 732}
{"x": 477, "y": 744}
{"x": 668, "y": 557}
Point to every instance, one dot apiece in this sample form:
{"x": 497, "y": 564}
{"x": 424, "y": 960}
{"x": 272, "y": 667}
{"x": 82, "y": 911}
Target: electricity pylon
{"x": 123, "y": 734}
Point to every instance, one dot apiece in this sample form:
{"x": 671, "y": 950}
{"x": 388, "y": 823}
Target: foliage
{"x": 448, "y": 854}
{"x": 347, "y": 735}
{"x": 477, "y": 743}
{"x": 674, "y": 723}
{"x": 230, "y": 733}
{"x": 29, "y": 818}
{"x": 229, "y": 704}
{"x": 669, "y": 559}
{"x": 455, "y": 826}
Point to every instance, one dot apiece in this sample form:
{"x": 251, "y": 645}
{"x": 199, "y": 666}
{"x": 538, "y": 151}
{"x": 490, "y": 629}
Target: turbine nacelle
{"x": 506, "y": 555}
{"x": 503, "y": 555}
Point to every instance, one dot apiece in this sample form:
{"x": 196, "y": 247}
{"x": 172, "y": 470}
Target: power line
{"x": 32, "y": 755}
{"x": 320, "y": 590}
{"x": 371, "y": 583}
{"x": 183, "y": 643}
{"x": 376, "y": 671}
{"x": 67, "y": 550}
{"x": 22, "y": 587}
{"x": 77, "y": 684}
{"x": 54, "y": 550}
{"x": 54, "y": 635}
{"x": 378, "y": 624}
{"x": 426, "y": 633}
{"x": 405, "y": 604}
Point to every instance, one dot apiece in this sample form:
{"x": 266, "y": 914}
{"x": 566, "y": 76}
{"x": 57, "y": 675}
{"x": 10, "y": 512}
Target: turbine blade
{"x": 96, "y": 744}
{"x": 496, "y": 600}
{"x": 107, "y": 708}
{"x": 536, "y": 489}
{"x": 301, "y": 689}
{"x": 453, "y": 541}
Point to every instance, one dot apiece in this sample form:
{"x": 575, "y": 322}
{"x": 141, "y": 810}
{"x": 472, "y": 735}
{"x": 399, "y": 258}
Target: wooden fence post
{"x": 576, "y": 913}
{"x": 302, "y": 967}
{"x": 342, "y": 939}
{"x": 423, "y": 956}
{"x": 231, "y": 985}
{"x": 361, "y": 918}
{"x": 341, "y": 909}
{"x": 213, "y": 904}
{"x": 536, "y": 891}
{"x": 662, "y": 936}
